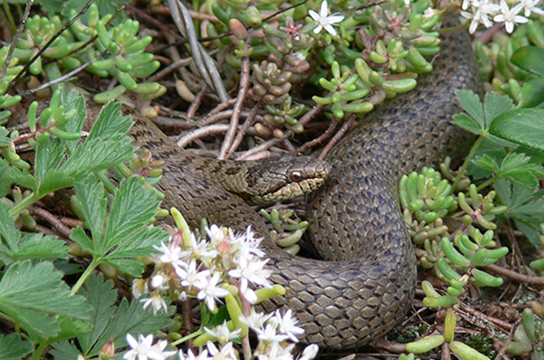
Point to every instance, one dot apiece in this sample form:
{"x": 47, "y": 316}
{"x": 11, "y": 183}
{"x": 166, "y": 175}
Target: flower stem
{"x": 467, "y": 160}
{"x": 84, "y": 277}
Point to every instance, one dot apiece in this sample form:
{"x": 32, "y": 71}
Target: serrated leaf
{"x": 472, "y": 105}
{"x": 5, "y": 178}
{"x": 8, "y": 232}
{"x": 522, "y": 126}
{"x": 49, "y": 156}
{"x": 33, "y": 295}
{"x": 64, "y": 350}
{"x": 53, "y": 181}
{"x": 495, "y": 105}
{"x": 23, "y": 178}
{"x": 126, "y": 318}
{"x": 74, "y": 100}
{"x": 529, "y": 58}
{"x": 129, "y": 266}
{"x": 38, "y": 246}
{"x": 140, "y": 244}
{"x": 40, "y": 287}
{"x": 101, "y": 297}
{"x": 4, "y": 138}
{"x": 13, "y": 348}
{"x": 467, "y": 123}
{"x": 99, "y": 154}
{"x": 110, "y": 122}
{"x": 123, "y": 220}
{"x": 93, "y": 204}
{"x": 78, "y": 236}
{"x": 486, "y": 162}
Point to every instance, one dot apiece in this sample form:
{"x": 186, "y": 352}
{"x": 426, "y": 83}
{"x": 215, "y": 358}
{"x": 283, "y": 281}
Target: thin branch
{"x": 534, "y": 280}
{"x": 15, "y": 40}
{"x": 198, "y": 133}
{"x": 249, "y": 121}
{"x": 240, "y": 99}
{"x": 337, "y": 136}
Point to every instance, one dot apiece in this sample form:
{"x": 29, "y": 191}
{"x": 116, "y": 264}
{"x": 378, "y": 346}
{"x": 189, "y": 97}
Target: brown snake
{"x": 367, "y": 285}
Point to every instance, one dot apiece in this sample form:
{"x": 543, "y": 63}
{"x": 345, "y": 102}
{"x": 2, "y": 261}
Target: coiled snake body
{"x": 368, "y": 281}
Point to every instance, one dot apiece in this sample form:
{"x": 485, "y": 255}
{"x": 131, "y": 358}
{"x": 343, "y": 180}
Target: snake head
{"x": 285, "y": 178}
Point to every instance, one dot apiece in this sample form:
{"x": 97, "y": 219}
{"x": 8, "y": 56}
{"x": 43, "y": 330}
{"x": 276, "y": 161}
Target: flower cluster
{"x": 482, "y": 11}
{"x": 202, "y": 268}
{"x": 219, "y": 267}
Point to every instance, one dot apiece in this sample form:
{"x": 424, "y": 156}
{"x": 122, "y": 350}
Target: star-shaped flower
{"x": 324, "y": 20}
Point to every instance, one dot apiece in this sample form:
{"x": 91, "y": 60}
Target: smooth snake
{"x": 367, "y": 284}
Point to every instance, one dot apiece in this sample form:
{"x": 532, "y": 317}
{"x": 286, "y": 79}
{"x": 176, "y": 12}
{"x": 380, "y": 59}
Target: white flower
{"x": 171, "y": 254}
{"x": 530, "y": 6}
{"x": 480, "y": 12}
{"x": 309, "y": 352}
{"x": 255, "y": 320}
{"x": 430, "y": 12}
{"x": 190, "y": 275}
{"x": 156, "y": 301}
{"x": 324, "y": 20}
{"x": 143, "y": 350}
{"x": 159, "y": 282}
{"x": 277, "y": 352}
{"x": 251, "y": 270}
{"x": 226, "y": 353}
{"x": 203, "y": 355}
{"x": 287, "y": 324}
{"x": 510, "y": 16}
{"x": 209, "y": 290}
{"x": 270, "y": 334}
{"x": 222, "y": 333}
{"x": 199, "y": 249}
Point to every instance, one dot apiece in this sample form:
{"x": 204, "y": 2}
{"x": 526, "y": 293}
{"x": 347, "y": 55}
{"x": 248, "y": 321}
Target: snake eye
{"x": 296, "y": 176}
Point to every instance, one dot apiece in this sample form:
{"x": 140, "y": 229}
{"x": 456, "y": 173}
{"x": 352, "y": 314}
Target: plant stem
{"x": 188, "y": 337}
{"x": 467, "y": 160}
{"x": 24, "y": 204}
{"x": 487, "y": 183}
{"x": 85, "y": 275}
{"x": 39, "y": 351}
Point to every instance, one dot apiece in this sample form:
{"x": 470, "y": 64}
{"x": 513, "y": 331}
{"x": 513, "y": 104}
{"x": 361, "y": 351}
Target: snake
{"x": 365, "y": 284}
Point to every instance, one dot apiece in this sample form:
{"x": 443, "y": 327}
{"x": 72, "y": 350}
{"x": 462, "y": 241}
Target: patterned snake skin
{"x": 367, "y": 284}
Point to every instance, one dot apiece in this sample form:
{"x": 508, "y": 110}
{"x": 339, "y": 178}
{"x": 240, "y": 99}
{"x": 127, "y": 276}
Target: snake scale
{"x": 367, "y": 283}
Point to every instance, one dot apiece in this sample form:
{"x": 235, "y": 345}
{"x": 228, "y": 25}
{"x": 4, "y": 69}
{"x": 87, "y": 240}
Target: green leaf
{"x": 529, "y": 58}
{"x": 93, "y": 204}
{"x": 110, "y": 121}
{"x": 13, "y": 348}
{"x": 522, "y": 126}
{"x": 9, "y": 234}
{"x": 472, "y": 105}
{"x": 78, "y": 236}
{"x": 64, "y": 350}
{"x": 4, "y": 138}
{"x": 531, "y": 93}
{"x": 38, "y": 246}
{"x": 109, "y": 322}
{"x": 23, "y": 178}
{"x": 487, "y": 163}
{"x": 98, "y": 154}
{"x": 34, "y": 295}
{"x": 53, "y": 181}
{"x": 49, "y": 156}
{"x": 495, "y": 105}
{"x": 467, "y": 123}
{"x": 19, "y": 246}
{"x": 5, "y": 178}
{"x": 130, "y": 266}
{"x": 123, "y": 220}
{"x": 101, "y": 297}
{"x": 74, "y": 100}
